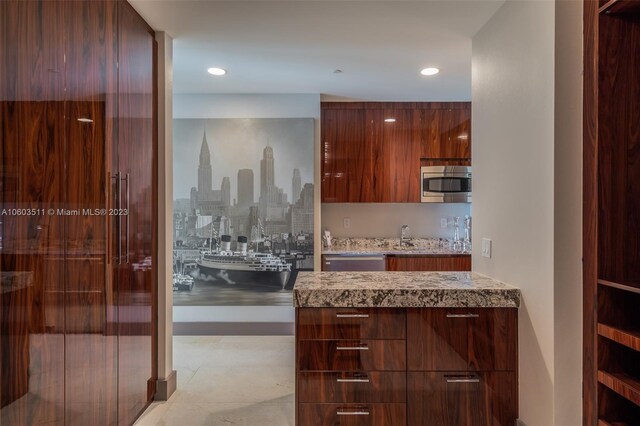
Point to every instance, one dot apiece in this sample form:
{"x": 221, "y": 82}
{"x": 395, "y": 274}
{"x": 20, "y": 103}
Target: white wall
{"x": 385, "y": 219}
{"x": 249, "y": 106}
{"x": 513, "y": 160}
{"x": 568, "y": 211}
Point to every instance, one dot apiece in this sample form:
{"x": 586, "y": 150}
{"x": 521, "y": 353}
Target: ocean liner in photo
{"x": 242, "y": 266}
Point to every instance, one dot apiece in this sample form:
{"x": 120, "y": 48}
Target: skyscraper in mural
{"x": 205, "y": 181}
{"x": 273, "y": 200}
{"x": 245, "y": 188}
{"x": 296, "y": 186}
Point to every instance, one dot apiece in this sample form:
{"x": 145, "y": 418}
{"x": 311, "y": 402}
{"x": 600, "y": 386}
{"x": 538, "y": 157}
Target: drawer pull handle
{"x": 464, "y": 380}
{"x": 352, "y": 315}
{"x": 352, "y": 413}
{"x": 462, "y": 315}
{"x": 352, "y": 348}
{"x": 359, "y": 380}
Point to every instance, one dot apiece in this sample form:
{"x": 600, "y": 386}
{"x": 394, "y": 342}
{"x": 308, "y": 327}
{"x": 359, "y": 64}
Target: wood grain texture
{"x": 32, "y": 139}
{"x": 394, "y": 105}
{"x": 378, "y": 414}
{"x": 445, "y": 340}
{"x": 331, "y": 323}
{"x": 135, "y": 158}
{"x": 428, "y": 263}
{"x": 373, "y": 386}
{"x": 324, "y": 355}
{"x": 368, "y": 159}
{"x": 623, "y": 384}
{"x": 590, "y": 210}
{"x": 446, "y": 134}
{"x": 444, "y": 398}
{"x": 629, "y": 338}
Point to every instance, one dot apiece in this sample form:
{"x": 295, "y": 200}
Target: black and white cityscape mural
{"x": 243, "y": 209}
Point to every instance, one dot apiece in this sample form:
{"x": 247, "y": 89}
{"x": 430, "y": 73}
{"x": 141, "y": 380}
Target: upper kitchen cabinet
{"x": 372, "y": 151}
{"x": 447, "y": 134}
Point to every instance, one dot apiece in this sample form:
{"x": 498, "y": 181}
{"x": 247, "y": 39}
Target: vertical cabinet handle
{"x": 126, "y": 232}
{"x": 118, "y": 198}
{"x": 462, "y": 315}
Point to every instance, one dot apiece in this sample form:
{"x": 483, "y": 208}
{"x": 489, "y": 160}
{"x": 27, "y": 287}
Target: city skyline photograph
{"x": 238, "y": 144}
{"x": 243, "y": 209}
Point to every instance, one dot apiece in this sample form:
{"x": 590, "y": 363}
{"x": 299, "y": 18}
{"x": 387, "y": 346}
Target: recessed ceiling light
{"x": 429, "y": 71}
{"x": 216, "y": 71}
{"x": 85, "y": 120}
{"x": 389, "y": 120}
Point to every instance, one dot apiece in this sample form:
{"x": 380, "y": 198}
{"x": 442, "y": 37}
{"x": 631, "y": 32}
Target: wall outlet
{"x": 486, "y": 248}
{"x": 443, "y": 222}
{"x": 346, "y": 223}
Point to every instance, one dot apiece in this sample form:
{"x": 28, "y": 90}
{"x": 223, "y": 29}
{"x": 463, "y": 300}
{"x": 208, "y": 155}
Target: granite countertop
{"x": 402, "y": 289}
{"x": 391, "y": 246}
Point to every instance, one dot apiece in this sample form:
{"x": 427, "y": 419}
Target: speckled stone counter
{"x": 402, "y": 290}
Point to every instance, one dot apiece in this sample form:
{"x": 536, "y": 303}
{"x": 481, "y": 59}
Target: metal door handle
{"x": 352, "y": 413}
{"x": 126, "y": 178}
{"x": 354, "y": 380}
{"x": 462, "y": 379}
{"x": 352, "y": 315}
{"x": 116, "y": 176}
{"x": 462, "y": 315}
{"x": 352, "y": 348}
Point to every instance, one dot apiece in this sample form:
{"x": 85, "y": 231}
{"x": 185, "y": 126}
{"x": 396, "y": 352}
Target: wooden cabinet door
{"x": 401, "y": 152}
{"x": 461, "y": 399}
{"x": 428, "y": 263}
{"x": 493, "y": 339}
{"x": 479, "y": 339}
{"x": 346, "y": 157}
{"x": 435, "y": 341}
{"x": 136, "y": 159}
{"x": 446, "y": 134}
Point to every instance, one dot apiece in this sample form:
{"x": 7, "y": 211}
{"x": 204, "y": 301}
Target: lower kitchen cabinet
{"x": 428, "y": 263}
{"x": 443, "y": 367}
{"x": 461, "y": 339}
{"x": 390, "y": 414}
{"x": 462, "y": 399}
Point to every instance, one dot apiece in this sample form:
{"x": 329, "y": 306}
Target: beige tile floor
{"x": 229, "y": 380}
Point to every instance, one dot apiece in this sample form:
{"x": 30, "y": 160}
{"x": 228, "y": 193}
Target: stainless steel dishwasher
{"x": 353, "y": 262}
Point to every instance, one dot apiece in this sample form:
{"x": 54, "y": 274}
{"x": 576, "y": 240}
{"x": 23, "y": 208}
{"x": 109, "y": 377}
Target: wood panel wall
{"x": 76, "y": 327}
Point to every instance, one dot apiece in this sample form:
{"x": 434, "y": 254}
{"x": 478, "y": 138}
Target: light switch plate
{"x": 443, "y": 222}
{"x": 346, "y": 222}
{"x": 486, "y": 248}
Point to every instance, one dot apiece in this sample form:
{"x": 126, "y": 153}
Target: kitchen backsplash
{"x": 379, "y": 220}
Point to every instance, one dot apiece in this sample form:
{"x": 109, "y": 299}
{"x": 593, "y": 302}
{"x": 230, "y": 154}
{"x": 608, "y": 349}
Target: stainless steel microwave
{"x": 445, "y": 184}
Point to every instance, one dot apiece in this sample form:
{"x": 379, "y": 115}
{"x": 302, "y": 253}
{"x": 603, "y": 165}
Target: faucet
{"x": 403, "y": 235}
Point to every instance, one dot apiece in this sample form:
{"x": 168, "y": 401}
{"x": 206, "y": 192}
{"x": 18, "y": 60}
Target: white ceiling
{"x": 294, "y": 46}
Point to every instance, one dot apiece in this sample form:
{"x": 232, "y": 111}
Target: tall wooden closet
{"x": 611, "y": 212}
{"x": 77, "y": 213}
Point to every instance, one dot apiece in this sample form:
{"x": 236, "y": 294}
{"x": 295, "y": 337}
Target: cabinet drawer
{"x": 462, "y": 398}
{"x": 479, "y": 339}
{"x": 351, "y": 355}
{"x": 351, "y": 323}
{"x": 352, "y": 414}
{"x": 372, "y": 386}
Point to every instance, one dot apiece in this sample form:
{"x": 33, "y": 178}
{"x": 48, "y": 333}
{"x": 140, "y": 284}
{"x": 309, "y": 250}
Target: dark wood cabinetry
{"x": 77, "y": 111}
{"x": 372, "y": 151}
{"x": 428, "y": 263}
{"x": 611, "y": 240}
{"x": 441, "y": 339}
{"x": 462, "y": 399}
{"x": 416, "y": 366}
